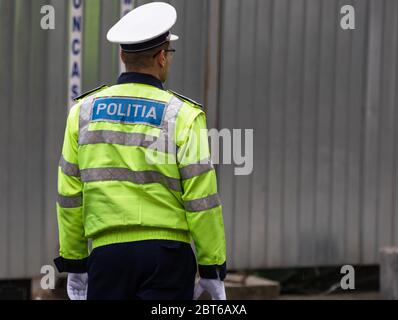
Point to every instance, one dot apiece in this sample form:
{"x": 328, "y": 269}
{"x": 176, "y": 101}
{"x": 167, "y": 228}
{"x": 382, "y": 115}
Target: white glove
{"x": 213, "y": 286}
{"x": 77, "y": 286}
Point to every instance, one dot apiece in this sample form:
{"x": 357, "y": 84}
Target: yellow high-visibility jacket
{"x": 135, "y": 166}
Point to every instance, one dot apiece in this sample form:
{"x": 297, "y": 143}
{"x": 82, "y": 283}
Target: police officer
{"x": 136, "y": 178}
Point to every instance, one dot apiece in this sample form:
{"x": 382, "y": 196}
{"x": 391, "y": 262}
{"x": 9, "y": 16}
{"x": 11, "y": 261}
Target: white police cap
{"x": 145, "y": 27}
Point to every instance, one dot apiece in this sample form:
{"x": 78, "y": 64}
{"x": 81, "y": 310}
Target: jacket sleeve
{"x": 73, "y": 244}
{"x": 202, "y": 202}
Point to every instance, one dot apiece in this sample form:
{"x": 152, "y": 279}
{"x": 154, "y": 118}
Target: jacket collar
{"x": 135, "y": 77}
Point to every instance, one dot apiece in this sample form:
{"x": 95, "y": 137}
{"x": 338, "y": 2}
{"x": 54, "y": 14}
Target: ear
{"x": 122, "y": 55}
{"x": 161, "y": 59}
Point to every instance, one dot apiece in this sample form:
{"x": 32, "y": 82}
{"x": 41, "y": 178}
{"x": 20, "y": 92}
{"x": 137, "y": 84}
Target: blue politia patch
{"x": 128, "y": 110}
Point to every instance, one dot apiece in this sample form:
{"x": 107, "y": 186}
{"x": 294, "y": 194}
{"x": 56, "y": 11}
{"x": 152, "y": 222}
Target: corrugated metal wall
{"x": 33, "y": 87}
{"x": 33, "y": 91}
{"x": 321, "y": 100}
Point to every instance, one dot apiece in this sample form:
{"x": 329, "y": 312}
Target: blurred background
{"x": 321, "y": 100}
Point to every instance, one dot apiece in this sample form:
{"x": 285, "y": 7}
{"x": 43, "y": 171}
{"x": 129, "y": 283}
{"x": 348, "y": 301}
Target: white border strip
{"x": 75, "y": 50}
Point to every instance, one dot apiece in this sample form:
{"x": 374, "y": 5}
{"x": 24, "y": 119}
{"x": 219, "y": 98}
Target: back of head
{"x": 142, "y": 60}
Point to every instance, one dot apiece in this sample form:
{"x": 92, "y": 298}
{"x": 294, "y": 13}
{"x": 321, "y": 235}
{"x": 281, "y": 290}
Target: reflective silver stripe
{"x": 84, "y": 118}
{"x": 70, "y": 202}
{"x": 123, "y": 174}
{"x": 166, "y": 135}
{"x": 196, "y": 169}
{"x": 202, "y": 203}
{"x": 172, "y": 110}
{"x": 164, "y": 143}
{"x": 68, "y": 168}
{"x": 123, "y": 138}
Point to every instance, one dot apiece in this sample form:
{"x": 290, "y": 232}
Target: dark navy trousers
{"x": 142, "y": 270}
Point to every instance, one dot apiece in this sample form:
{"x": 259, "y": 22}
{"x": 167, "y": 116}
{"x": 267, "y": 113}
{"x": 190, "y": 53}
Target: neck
{"x": 151, "y": 72}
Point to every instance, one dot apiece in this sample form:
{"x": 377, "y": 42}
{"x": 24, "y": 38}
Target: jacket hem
{"x": 138, "y": 233}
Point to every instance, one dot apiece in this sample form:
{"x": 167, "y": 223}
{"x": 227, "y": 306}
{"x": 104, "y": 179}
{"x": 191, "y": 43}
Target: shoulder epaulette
{"x": 88, "y": 93}
{"x": 186, "y": 99}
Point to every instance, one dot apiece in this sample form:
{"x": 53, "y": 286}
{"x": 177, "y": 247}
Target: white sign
{"x": 125, "y": 7}
{"x": 75, "y": 50}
